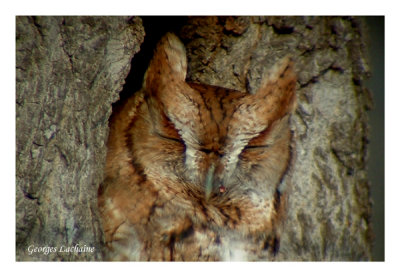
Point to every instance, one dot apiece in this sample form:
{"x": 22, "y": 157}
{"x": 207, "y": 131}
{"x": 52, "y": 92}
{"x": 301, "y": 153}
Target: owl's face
{"x": 216, "y": 143}
{"x": 190, "y": 165}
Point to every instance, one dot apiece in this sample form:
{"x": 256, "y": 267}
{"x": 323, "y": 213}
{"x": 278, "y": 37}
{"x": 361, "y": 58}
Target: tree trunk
{"x": 329, "y": 208}
{"x": 70, "y": 70}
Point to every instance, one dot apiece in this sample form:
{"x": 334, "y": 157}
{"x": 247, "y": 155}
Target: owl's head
{"x": 215, "y": 142}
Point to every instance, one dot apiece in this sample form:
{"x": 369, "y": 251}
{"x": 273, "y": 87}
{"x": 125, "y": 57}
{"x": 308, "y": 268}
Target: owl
{"x": 192, "y": 170}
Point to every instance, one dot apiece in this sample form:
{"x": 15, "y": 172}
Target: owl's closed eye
{"x": 192, "y": 168}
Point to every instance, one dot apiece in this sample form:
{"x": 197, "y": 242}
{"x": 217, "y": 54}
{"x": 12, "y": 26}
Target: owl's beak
{"x": 209, "y": 182}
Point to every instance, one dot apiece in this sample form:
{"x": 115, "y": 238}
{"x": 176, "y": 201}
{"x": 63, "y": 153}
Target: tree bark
{"x": 329, "y": 206}
{"x": 69, "y": 72}
{"x": 71, "y": 69}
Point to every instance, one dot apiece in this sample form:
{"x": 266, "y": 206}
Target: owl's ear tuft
{"x": 169, "y": 62}
{"x": 279, "y": 86}
{"x": 282, "y": 70}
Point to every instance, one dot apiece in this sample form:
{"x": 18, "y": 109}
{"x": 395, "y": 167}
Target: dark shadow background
{"x": 157, "y": 26}
{"x": 376, "y": 84}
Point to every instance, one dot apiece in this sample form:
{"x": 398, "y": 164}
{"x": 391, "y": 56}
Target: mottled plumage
{"x": 193, "y": 170}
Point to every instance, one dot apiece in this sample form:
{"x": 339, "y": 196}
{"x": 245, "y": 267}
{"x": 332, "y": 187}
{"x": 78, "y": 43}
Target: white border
{"x": 203, "y": 7}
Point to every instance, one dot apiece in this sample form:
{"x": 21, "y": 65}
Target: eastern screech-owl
{"x": 193, "y": 170}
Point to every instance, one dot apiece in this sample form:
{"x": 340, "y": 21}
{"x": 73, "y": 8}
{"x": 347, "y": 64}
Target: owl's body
{"x": 192, "y": 170}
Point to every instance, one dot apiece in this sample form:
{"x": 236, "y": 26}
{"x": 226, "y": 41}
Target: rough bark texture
{"x": 70, "y": 70}
{"x": 329, "y": 205}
